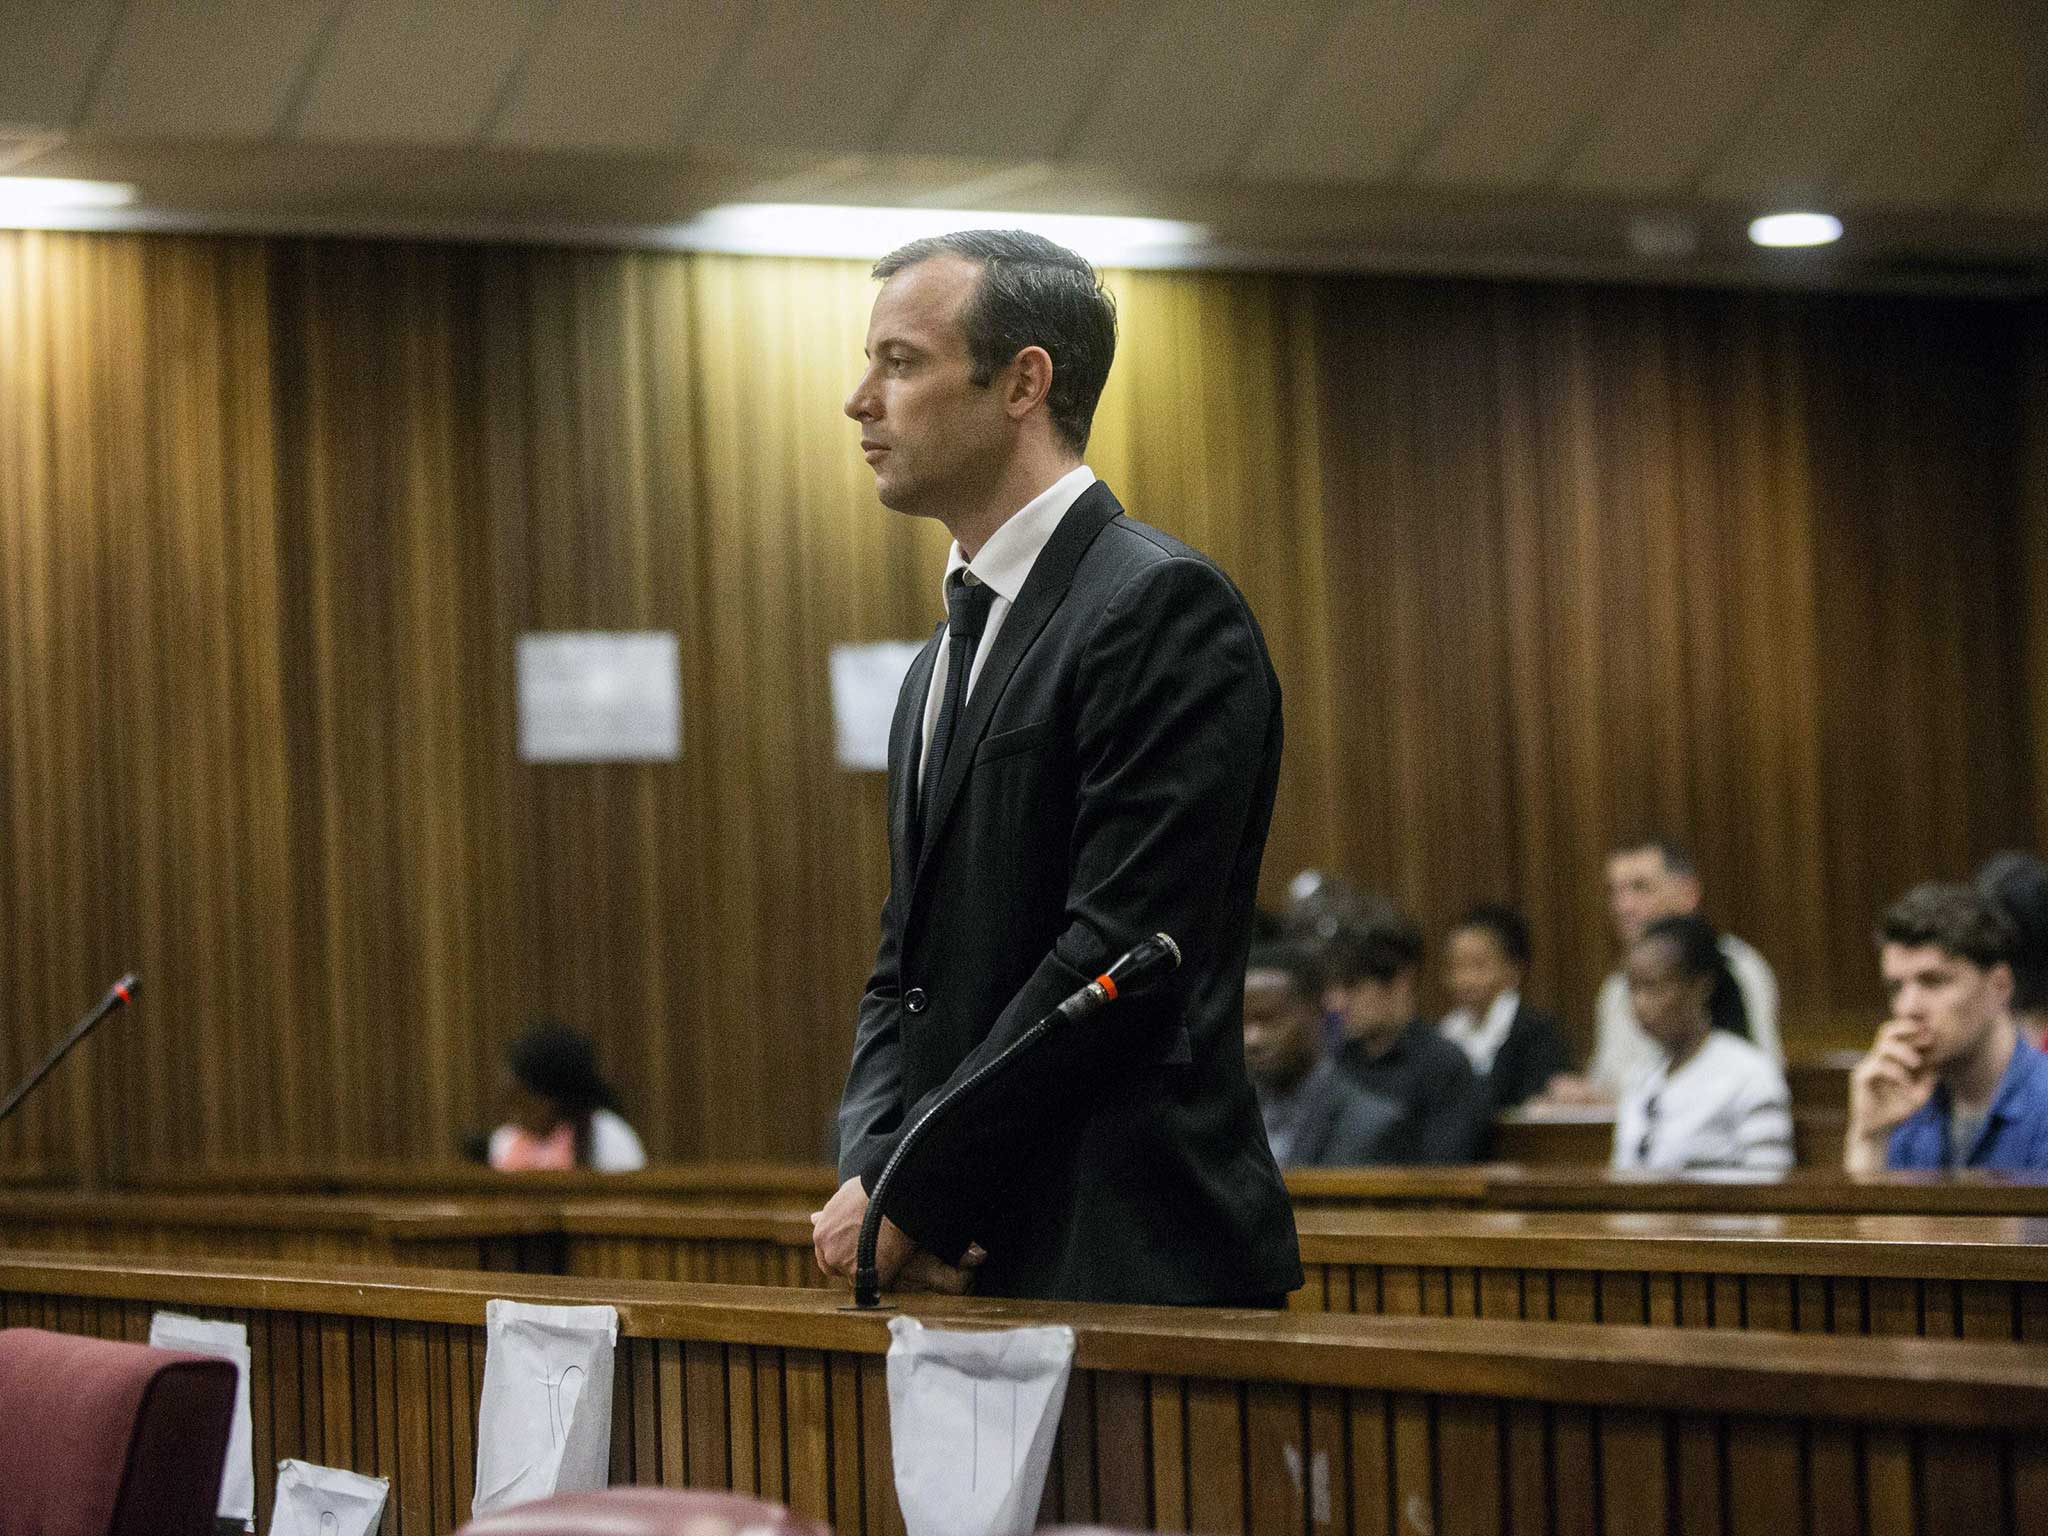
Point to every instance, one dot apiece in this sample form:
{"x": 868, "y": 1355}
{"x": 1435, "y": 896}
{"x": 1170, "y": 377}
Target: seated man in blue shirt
{"x": 1949, "y": 1082}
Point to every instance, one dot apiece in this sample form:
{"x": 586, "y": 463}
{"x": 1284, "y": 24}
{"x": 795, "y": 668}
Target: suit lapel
{"x": 1051, "y": 574}
{"x": 906, "y": 741}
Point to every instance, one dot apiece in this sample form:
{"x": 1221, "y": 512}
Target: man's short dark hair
{"x": 1506, "y": 926}
{"x": 2017, "y": 884}
{"x": 1678, "y": 859}
{"x": 1380, "y": 952}
{"x": 1031, "y": 293}
{"x": 1304, "y": 976}
{"x": 1955, "y": 919}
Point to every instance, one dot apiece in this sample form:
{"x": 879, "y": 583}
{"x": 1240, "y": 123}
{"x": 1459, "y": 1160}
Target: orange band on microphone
{"x": 122, "y": 992}
{"x": 1107, "y": 985}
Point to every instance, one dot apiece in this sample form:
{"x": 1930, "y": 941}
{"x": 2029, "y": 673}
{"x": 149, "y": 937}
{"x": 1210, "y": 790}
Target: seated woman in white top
{"x": 1713, "y": 1100}
{"x": 562, "y": 1113}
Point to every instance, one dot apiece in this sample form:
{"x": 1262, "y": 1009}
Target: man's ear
{"x": 1027, "y": 382}
{"x": 2001, "y": 980}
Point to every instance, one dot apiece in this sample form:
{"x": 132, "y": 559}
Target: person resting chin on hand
{"x": 1949, "y": 1082}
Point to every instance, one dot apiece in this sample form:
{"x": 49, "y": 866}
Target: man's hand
{"x": 925, "y": 1271}
{"x": 1889, "y": 1084}
{"x": 835, "y": 1236}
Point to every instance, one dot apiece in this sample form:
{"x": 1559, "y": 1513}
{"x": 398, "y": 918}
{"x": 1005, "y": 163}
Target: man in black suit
{"x": 1316, "y": 1117}
{"x": 1390, "y": 1051}
{"x": 1102, "y": 767}
{"x": 1515, "y": 1050}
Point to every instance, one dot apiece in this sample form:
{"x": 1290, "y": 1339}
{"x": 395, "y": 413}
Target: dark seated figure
{"x": 1371, "y": 978}
{"x": 1315, "y": 1116}
{"x": 1515, "y": 1050}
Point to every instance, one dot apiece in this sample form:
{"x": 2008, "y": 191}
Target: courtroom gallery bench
{"x": 1944, "y": 1276}
{"x": 1970, "y": 1192}
{"x": 804, "y": 1186}
{"x": 1176, "y": 1420}
{"x": 502, "y": 1233}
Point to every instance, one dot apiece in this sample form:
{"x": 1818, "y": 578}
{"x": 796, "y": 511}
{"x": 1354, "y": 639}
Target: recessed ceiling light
{"x": 29, "y": 200}
{"x": 808, "y": 229}
{"x": 1788, "y": 229}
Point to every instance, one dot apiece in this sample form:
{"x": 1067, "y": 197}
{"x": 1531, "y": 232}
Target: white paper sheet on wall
{"x": 590, "y": 696}
{"x": 228, "y": 1341}
{"x": 865, "y": 682}
{"x": 972, "y": 1419}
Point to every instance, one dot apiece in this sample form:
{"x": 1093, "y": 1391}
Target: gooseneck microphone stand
{"x": 119, "y": 995}
{"x": 1145, "y": 963}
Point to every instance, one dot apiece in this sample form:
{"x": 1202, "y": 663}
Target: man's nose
{"x": 859, "y": 404}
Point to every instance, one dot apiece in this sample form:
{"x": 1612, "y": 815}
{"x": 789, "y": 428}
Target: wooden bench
{"x": 499, "y": 1234}
{"x": 1176, "y": 1420}
{"x": 804, "y": 1186}
{"x": 1971, "y": 1192}
{"x": 1939, "y": 1277}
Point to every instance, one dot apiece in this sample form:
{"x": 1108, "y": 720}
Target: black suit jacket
{"x": 1112, "y": 775}
{"x": 1339, "y": 1125}
{"x": 1432, "y": 1080}
{"x": 1532, "y": 1054}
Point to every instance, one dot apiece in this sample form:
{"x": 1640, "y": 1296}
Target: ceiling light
{"x": 26, "y": 201}
{"x": 1787, "y": 229}
{"x": 809, "y": 229}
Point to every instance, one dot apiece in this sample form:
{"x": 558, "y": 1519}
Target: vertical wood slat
{"x": 1167, "y": 1444}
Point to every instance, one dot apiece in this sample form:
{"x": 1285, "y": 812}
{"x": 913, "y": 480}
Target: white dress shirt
{"x": 1727, "y": 1107}
{"x": 614, "y": 1145}
{"x": 1003, "y": 563}
{"x": 1482, "y": 1038}
{"x": 1622, "y": 1053}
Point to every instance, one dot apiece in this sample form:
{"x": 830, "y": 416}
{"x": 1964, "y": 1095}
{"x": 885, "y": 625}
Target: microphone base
{"x": 870, "y": 1308}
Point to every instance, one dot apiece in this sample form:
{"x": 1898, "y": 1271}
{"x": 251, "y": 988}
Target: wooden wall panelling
{"x": 2034, "y": 546}
{"x": 1536, "y": 562}
{"x": 1665, "y": 493}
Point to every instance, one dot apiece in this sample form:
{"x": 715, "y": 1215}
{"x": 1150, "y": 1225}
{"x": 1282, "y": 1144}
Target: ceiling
{"x": 1465, "y": 135}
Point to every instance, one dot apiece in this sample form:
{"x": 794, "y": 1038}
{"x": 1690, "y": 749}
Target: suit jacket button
{"x": 914, "y": 1000}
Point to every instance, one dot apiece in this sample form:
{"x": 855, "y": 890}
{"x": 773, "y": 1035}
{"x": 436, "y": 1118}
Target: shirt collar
{"x": 1491, "y": 1026}
{"x": 2015, "y": 1083}
{"x": 1006, "y": 559}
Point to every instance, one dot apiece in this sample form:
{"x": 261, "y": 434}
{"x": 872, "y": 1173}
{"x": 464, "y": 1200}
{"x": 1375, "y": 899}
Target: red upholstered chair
{"x": 106, "y": 1439}
{"x": 646, "y": 1512}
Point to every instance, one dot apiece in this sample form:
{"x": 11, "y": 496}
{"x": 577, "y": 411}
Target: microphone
{"x": 119, "y": 995}
{"x": 1140, "y": 966}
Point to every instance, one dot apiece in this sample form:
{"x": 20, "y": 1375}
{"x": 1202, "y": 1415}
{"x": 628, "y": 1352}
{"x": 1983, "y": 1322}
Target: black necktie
{"x": 967, "y": 605}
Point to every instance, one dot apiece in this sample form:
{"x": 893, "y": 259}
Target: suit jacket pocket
{"x": 1024, "y": 738}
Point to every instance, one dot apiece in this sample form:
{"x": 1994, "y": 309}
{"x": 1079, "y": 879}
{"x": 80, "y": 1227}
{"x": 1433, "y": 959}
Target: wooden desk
{"x": 1971, "y": 1192}
{"x": 1939, "y": 1277}
{"x": 1820, "y": 1191}
{"x": 643, "y": 1240}
{"x": 1176, "y": 1420}
{"x": 501, "y": 1234}
{"x": 804, "y": 1186}
{"x": 1583, "y": 1137}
